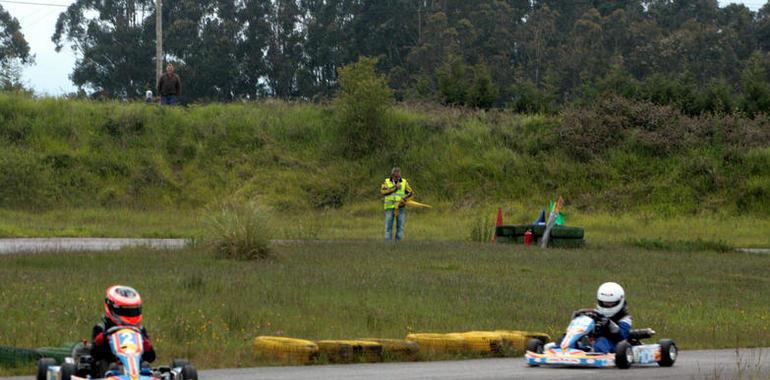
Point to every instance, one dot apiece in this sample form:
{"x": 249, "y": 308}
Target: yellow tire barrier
{"x": 484, "y": 342}
{"x": 348, "y": 351}
{"x": 286, "y": 350}
{"x": 517, "y": 340}
{"x": 439, "y": 343}
{"x": 397, "y": 349}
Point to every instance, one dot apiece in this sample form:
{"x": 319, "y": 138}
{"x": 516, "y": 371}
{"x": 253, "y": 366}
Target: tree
{"x": 284, "y": 48}
{"x": 483, "y": 91}
{"x": 202, "y": 39}
{"x": 363, "y": 100}
{"x": 755, "y": 86}
{"x": 114, "y": 43}
{"x": 452, "y": 79}
{"x": 14, "y": 52}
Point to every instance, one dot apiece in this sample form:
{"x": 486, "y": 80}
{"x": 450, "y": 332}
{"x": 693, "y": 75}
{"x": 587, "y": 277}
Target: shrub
{"x": 363, "y": 101}
{"x": 238, "y": 231}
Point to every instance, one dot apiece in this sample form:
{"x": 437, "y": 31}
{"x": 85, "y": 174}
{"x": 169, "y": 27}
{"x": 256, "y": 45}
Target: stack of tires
{"x": 15, "y": 357}
{"x": 484, "y": 342}
{"x": 350, "y": 351}
{"x": 285, "y": 350}
{"x": 397, "y": 349}
{"x": 561, "y": 236}
{"x": 439, "y": 343}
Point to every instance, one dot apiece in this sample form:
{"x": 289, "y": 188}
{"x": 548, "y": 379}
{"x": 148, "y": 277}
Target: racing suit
{"x": 100, "y": 347}
{"x": 614, "y": 330}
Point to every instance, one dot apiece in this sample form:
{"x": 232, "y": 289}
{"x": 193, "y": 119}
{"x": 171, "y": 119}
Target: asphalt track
{"x": 35, "y": 245}
{"x": 706, "y": 364}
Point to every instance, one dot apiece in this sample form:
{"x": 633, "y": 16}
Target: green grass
{"x": 364, "y": 221}
{"x": 210, "y": 309}
{"x": 60, "y": 154}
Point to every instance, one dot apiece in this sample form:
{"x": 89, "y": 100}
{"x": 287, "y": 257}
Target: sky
{"x": 50, "y": 73}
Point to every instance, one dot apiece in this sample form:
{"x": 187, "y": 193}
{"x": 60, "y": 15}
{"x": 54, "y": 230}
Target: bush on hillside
{"x": 238, "y": 231}
{"x": 363, "y": 101}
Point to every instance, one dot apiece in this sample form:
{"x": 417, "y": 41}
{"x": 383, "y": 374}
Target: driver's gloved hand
{"x": 601, "y": 325}
{"x": 613, "y": 327}
{"x": 146, "y": 369}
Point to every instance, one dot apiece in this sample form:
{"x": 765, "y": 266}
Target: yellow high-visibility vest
{"x": 393, "y": 199}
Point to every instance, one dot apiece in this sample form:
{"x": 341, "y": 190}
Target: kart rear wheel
{"x": 668, "y": 353}
{"x": 624, "y": 355}
{"x": 179, "y": 363}
{"x": 67, "y": 371}
{"x": 42, "y": 367}
{"x": 189, "y": 373}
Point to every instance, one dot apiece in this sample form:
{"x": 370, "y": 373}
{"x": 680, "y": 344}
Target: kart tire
{"x": 668, "y": 353}
{"x": 42, "y": 367}
{"x": 535, "y": 345}
{"x": 189, "y": 372}
{"x": 179, "y": 363}
{"x": 67, "y": 371}
{"x": 624, "y": 355}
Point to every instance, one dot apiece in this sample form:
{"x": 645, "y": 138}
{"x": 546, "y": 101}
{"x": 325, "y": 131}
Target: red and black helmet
{"x": 123, "y": 305}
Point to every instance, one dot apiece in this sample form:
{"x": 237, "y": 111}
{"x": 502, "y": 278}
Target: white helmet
{"x": 610, "y": 299}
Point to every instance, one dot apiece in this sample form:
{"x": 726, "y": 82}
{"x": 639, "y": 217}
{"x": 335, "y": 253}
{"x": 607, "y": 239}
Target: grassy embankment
{"x": 77, "y": 168}
{"x": 210, "y": 309}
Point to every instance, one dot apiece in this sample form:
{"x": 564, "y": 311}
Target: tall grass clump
{"x": 238, "y": 231}
{"x": 482, "y": 229}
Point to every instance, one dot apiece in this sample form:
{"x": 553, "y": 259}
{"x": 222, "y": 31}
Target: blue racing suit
{"x": 616, "y": 329}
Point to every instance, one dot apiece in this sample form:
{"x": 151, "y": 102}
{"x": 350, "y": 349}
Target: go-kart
{"x": 575, "y": 348}
{"x": 126, "y": 344}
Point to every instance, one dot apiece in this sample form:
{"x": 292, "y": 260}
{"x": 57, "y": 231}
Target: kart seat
{"x": 638, "y": 334}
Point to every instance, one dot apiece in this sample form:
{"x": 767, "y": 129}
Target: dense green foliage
{"x": 14, "y": 51}
{"x": 529, "y": 55}
{"x": 615, "y": 155}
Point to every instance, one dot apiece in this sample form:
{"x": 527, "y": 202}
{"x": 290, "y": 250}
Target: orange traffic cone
{"x": 497, "y": 224}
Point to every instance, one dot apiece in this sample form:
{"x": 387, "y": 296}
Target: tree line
{"x": 529, "y": 55}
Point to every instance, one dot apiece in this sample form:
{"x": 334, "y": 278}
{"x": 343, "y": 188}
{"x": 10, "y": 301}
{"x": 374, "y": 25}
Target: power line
{"x": 32, "y": 3}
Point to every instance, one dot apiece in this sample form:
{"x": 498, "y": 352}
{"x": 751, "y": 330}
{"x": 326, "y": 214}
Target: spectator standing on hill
{"x": 169, "y": 86}
{"x": 396, "y": 191}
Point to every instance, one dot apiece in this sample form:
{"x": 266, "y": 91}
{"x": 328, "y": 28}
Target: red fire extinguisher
{"x": 528, "y": 237}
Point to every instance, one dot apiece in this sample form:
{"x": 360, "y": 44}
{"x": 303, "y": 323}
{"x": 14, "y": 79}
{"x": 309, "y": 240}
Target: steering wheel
{"x": 112, "y": 330}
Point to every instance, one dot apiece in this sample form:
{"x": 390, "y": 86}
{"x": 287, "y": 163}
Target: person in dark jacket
{"x": 122, "y": 307}
{"x": 169, "y": 86}
{"x": 611, "y": 303}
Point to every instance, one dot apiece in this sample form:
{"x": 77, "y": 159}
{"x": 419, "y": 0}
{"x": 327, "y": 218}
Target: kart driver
{"x": 122, "y": 307}
{"x": 611, "y": 303}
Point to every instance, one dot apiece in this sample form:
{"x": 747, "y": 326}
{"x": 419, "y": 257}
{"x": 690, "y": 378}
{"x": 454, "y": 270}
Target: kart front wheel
{"x": 668, "y": 353}
{"x": 42, "y": 367}
{"x": 67, "y": 371}
{"x": 624, "y": 355}
{"x": 189, "y": 372}
{"x": 535, "y": 345}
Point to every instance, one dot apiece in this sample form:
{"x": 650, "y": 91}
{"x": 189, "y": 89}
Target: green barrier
{"x": 515, "y": 231}
{"x": 14, "y": 357}
{"x": 58, "y": 353}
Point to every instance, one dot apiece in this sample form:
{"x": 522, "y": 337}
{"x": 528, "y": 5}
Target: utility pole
{"x": 158, "y": 40}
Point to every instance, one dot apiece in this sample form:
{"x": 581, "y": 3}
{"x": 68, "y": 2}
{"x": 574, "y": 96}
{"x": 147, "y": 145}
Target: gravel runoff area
{"x": 704, "y": 364}
{"x": 36, "y": 245}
